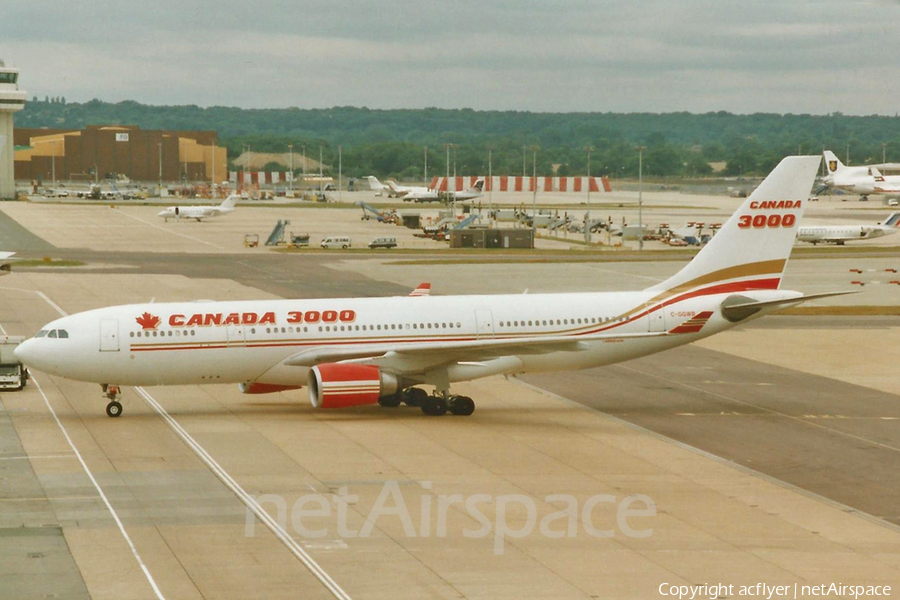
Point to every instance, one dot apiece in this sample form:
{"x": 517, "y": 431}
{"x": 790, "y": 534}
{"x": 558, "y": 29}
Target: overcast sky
{"x": 815, "y": 56}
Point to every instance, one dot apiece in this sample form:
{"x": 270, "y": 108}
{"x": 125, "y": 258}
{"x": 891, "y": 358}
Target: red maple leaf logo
{"x": 147, "y": 321}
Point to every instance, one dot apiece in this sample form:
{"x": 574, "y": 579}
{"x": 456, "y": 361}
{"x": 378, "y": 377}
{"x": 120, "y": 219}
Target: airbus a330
{"x": 366, "y": 351}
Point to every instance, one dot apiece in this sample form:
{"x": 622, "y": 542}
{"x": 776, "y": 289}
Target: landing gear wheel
{"x": 434, "y": 406}
{"x": 415, "y": 396}
{"x": 114, "y": 409}
{"x": 461, "y": 405}
{"x": 392, "y": 401}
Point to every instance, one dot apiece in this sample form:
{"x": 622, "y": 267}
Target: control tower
{"x": 12, "y": 99}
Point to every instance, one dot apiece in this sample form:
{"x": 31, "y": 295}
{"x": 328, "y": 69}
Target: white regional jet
{"x": 435, "y": 196}
{"x": 363, "y": 351}
{"x": 838, "y": 234}
{"x": 400, "y": 191}
{"x": 200, "y": 212}
{"x": 859, "y": 180}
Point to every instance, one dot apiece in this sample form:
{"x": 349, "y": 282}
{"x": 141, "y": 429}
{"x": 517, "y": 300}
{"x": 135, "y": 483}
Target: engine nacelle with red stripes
{"x": 338, "y": 385}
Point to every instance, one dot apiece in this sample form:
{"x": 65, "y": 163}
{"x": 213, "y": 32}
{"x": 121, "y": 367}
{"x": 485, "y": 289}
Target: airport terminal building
{"x": 99, "y": 152}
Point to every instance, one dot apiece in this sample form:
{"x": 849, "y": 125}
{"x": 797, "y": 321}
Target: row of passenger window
{"x": 329, "y": 328}
{"x": 551, "y": 322}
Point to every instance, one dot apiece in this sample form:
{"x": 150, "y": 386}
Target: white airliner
{"x": 435, "y": 196}
{"x": 363, "y": 351}
{"x": 200, "y": 212}
{"x": 838, "y": 234}
{"x": 859, "y": 180}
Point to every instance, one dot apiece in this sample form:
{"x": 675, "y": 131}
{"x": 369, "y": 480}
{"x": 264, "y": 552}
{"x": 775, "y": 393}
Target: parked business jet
{"x": 378, "y": 187}
{"x": 859, "y": 180}
{"x": 363, "y": 351}
{"x": 435, "y": 196}
{"x": 200, "y": 212}
{"x": 838, "y": 234}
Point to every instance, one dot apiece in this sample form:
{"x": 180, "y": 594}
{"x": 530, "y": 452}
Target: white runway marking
{"x": 84, "y": 466}
{"x": 219, "y": 472}
{"x": 187, "y": 237}
{"x": 247, "y": 499}
{"x": 103, "y": 497}
{"x": 803, "y": 419}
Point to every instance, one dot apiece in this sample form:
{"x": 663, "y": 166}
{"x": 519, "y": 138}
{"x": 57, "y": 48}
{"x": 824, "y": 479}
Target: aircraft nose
{"x": 24, "y": 352}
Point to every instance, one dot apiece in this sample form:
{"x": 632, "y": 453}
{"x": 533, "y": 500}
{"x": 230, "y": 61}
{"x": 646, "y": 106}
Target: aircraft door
{"x": 109, "y": 335}
{"x": 656, "y": 320}
{"x": 484, "y": 322}
{"x": 236, "y": 335}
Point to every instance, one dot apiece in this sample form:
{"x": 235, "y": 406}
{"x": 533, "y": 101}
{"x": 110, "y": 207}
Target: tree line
{"x": 393, "y": 142}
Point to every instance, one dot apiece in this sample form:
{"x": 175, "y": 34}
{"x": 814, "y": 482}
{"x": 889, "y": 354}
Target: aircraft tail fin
{"x": 423, "y": 289}
{"x": 751, "y": 249}
{"x": 479, "y": 185}
{"x": 230, "y": 201}
{"x": 374, "y": 184}
{"x": 893, "y": 220}
{"x": 832, "y": 162}
{"x": 879, "y": 178}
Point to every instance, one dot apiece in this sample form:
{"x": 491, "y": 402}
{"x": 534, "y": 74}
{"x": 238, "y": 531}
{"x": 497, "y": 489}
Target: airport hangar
{"x": 100, "y": 150}
{"x": 770, "y": 452}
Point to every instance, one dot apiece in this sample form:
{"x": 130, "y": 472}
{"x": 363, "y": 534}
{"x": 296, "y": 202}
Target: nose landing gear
{"x": 114, "y": 408}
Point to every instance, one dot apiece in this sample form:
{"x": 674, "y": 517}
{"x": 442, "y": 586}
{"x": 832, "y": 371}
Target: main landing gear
{"x": 114, "y": 408}
{"x": 434, "y": 405}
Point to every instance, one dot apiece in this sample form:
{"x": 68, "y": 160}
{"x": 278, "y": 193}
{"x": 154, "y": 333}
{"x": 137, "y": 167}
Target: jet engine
{"x": 337, "y": 385}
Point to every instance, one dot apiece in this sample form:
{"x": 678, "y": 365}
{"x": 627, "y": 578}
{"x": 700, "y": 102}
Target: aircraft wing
{"x": 416, "y": 357}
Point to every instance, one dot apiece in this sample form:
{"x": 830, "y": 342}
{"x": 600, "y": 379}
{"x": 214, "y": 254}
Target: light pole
{"x": 524, "y": 150}
{"x": 640, "y": 150}
{"x": 490, "y": 186}
{"x": 587, "y": 224}
{"x": 426, "y": 165}
{"x": 848, "y": 154}
{"x": 160, "y": 169}
{"x": 454, "y": 168}
{"x": 447, "y": 191}
{"x": 214, "y": 170}
{"x": 883, "y": 156}
{"x": 534, "y": 150}
{"x": 340, "y": 172}
{"x": 291, "y": 180}
{"x": 304, "y": 162}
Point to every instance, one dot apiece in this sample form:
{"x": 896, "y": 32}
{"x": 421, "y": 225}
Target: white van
{"x": 336, "y": 242}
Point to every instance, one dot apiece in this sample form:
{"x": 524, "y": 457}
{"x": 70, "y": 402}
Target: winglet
{"x": 694, "y": 324}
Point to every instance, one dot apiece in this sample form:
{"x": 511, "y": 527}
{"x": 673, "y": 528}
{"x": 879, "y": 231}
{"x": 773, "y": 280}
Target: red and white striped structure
{"x": 258, "y": 177}
{"x": 524, "y": 184}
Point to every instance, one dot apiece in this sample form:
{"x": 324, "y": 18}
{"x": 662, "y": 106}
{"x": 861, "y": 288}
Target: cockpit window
{"x": 52, "y": 334}
{"x": 63, "y": 333}
{"x": 41, "y": 333}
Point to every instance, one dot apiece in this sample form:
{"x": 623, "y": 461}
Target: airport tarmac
{"x": 769, "y": 452}
{"x": 115, "y": 226}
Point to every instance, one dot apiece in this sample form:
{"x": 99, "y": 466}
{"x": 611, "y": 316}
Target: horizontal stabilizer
{"x": 737, "y": 311}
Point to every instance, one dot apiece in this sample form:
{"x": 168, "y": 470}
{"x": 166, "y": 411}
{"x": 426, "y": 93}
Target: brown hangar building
{"x": 103, "y": 151}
